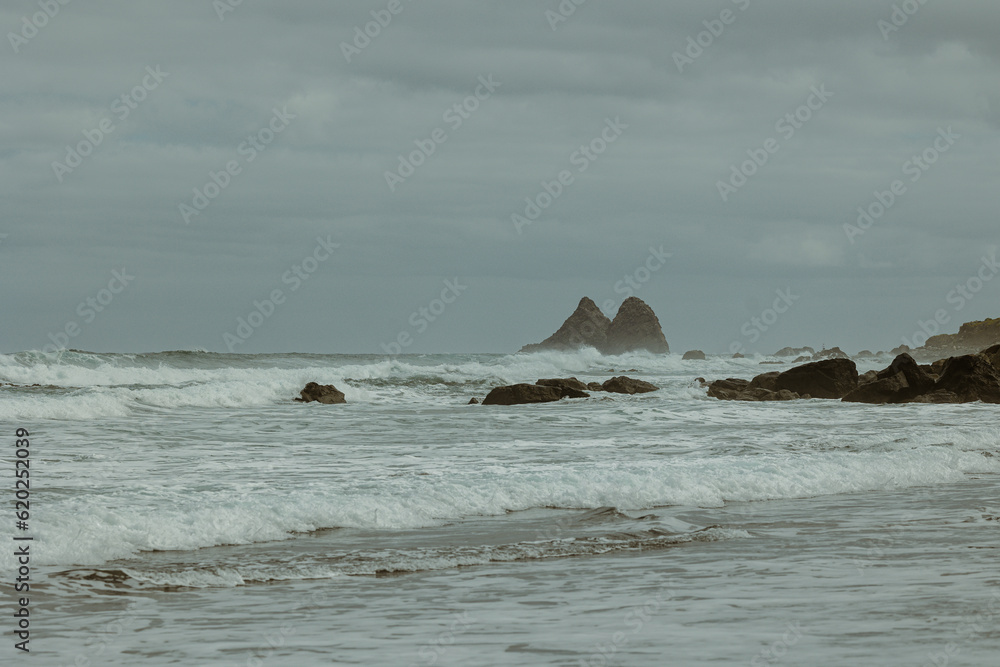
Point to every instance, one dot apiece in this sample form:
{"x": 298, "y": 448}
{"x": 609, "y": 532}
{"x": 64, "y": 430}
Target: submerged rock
{"x": 627, "y": 385}
{"x": 321, "y": 393}
{"x": 473, "y": 401}
{"x": 695, "y": 355}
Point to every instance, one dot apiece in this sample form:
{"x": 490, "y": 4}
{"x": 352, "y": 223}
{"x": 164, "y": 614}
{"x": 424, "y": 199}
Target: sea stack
{"x": 586, "y": 327}
{"x": 635, "y": 327}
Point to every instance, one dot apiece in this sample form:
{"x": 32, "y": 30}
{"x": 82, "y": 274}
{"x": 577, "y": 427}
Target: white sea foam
{"x": 95, "y": 528}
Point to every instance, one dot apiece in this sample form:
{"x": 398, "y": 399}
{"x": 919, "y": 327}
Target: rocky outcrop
{"x": 962, "y": 379}
{"x": 595, "y": 386}
{"x": 321, "y": 393}
{"x": 635, "y": 327}
{"x": 694, "y": 355}
{"x": 971, "y": 337}
{"x": 830, "y": 378}
{"x": 586, "y": 327}
{"x": 627, "y": 385}
{"x": 519, "y": 394}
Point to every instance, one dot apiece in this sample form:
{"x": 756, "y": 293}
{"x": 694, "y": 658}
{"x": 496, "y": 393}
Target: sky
{"x": 422, "y": 176}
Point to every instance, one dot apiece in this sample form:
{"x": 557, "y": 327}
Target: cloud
{"x": 325, "y": 173}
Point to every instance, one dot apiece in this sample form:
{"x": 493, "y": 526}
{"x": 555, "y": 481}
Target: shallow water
{"x": 186, "y": 511}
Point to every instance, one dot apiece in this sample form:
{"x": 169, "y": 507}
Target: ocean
{"x": 185, "y": 511}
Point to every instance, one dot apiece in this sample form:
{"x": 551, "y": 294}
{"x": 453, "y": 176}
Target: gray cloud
{"x": 656, "y": 185}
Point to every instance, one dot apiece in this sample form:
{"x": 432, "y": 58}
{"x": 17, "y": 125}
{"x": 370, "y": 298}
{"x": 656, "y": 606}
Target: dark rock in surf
{"x": 321, "y": 393}
{"x": 761, "y": 388}
{"x": 473, "y": 401}
{"x": 830, "y": 378}
{"x": 728, "y": 389}
{"x": 767, "y": 381}
{"x": 971, "y": 378}
{"x": 867, "y": 377}
{"x": 571, "y": 383}
{"x": 627, "y": 385}
{"x": 595, "y": 386}
{"x": 901, "y": 382}
{"x": 694, "y": 355}
{"x": 520, "y": 394}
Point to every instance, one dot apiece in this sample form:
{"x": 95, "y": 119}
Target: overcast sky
{"x": 663, "y": 120}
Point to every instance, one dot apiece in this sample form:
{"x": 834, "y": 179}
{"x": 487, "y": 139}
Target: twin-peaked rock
{"x": 635, "y": 327}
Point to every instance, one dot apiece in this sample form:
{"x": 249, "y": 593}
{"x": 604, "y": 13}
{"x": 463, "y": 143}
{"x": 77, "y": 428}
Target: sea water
{"x": 185, "y": 510}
